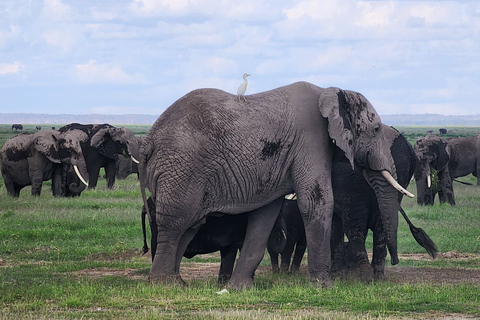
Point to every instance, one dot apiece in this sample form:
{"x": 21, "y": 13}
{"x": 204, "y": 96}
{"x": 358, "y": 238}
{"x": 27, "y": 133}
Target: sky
{"x": 139, "y": 56}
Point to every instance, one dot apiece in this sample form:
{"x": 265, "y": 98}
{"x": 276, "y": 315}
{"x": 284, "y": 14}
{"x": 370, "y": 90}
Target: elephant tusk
{"x": 134, "y": 160}
{"x": 429, "y": 181}
{"x": 395, "y": 184}
{"x": 79, "y": 175}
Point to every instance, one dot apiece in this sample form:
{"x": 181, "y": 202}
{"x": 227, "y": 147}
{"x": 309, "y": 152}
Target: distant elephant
{"x": 451, "y": 158}
{"x": 16, "y": 126}
{"x": 209, "y": 152}
{"x": 126, "y": 166}
{"x": 38, "y": 128}
{"x": 358, "y": 208}
{"x": 442, "y": 131}
{"x": 224, "y": 233}
{"x": 101, "y": 143}
{"x": 30, "y": 159}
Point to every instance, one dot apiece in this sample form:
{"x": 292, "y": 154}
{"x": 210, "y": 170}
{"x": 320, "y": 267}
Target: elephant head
{"x": 110, "y": 141}
{"x": 431, "y": 152}
{"x": 388, "y": 198}
{"x": 355, "y": 128}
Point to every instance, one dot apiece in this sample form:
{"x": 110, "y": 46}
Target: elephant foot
{"x": 362, "y": 272}
{"x": 166, "y": 279}
{"x": 240, "y": 284}
{"x": 379, "y": 276}
{"x": 294, "y": 268}
{"x": 321, "y": 281}
{"x": 275, "y": 268}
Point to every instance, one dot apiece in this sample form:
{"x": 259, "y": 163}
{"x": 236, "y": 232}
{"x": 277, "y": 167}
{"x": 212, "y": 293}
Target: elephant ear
{"x": 334, "y": 105}
{"x": 102, "y": 142}
{"x": 99, "y": 138}
{"x": 444, "y": 154}
{"x": 47, "y": 144}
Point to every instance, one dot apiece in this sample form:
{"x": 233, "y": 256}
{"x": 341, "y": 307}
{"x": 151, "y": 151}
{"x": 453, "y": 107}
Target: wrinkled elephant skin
{"x": 209, "y": 152}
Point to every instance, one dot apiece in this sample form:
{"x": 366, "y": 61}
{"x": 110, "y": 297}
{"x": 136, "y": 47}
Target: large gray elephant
{"x": 30, "y": 159}
{"x": 209, "y": 152}
{"x": 451, "y": 158}
{"x": 101, "y": 145}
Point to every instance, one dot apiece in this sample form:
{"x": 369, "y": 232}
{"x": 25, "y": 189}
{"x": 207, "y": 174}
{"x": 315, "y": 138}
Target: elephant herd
{"x": 218, "y": 170}
{"x": 71, "y": 157}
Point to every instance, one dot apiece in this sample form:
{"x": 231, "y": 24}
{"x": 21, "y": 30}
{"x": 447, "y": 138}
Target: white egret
{"x": 243, "y": 87}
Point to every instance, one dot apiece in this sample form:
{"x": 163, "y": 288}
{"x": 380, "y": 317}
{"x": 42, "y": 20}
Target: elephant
{"x": 358, "y": 208}
{"x": 224, "y": 233}
{"x": 451, "y": 158}
{"x": 30, "y": 159}
{"x": 209, "y": 152}
{"x": 17, "y": 126}
{"x": 126, "y": 166}
{"x": 101, "y": 143}
{"x": 296, "y": 241}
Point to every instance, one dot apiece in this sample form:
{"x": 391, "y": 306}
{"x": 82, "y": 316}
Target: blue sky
{"x": 139, "y": 56}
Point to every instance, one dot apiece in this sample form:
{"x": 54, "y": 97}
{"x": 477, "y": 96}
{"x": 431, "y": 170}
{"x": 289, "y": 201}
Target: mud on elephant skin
{"x": 224, "y": 233}
{"x": 451, "y": 158}
{"x": 101, "y": 145}
{"x": 209, "y": 152}
{"x": 30, "y": 159}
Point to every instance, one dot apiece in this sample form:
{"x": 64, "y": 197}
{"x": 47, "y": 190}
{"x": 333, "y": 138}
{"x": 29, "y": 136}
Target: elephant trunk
{"x": 424, "y": 192}
{"x": 387, "y": 198}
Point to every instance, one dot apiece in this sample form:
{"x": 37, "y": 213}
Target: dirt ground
{"x": 397, "y": 274}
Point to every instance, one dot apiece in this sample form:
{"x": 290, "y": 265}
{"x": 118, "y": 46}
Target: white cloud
{"x": 97, "y": 73}
{"x": 11, "y": 68}
{"x": 55, "y": 10}
{"x": 63, "y": 39}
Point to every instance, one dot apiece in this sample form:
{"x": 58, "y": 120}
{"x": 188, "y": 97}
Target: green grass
{"x": 67, "y": 259}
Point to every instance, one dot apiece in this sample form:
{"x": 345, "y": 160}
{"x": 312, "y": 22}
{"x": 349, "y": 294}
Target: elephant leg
{"x": 287, "y": 252}
{"x": 299, "y": 252}
{"x": 93, "y": 172}
{"x": 182, "y": 246}
{"x": 317, "y": 219}
{"x": 165, "y": 265}
{"x": 227, "y": 263}
{"x": 12, "y": 188}
{"x": 357, "y": 257}
{"x": 274, "y": 261}
{"x": 259, "y": 227}
{"x": 446, "y": 194}
{"x": 379, "y": 250}
{"x": 110, "y": 169}
{"x": 337, "y": 245}
{"x": 36, "y": 186}
{"x": 57, "y": 181}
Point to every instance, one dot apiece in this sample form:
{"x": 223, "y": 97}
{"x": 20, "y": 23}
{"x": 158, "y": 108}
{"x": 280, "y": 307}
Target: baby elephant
{"x": 223, "y": 233}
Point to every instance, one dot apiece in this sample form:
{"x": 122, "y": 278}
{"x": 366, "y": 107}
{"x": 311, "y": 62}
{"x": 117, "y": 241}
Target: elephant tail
{"x": 463, "y": 182}
{"x": 144, "y": 212}
{"x": 421, "y": 237}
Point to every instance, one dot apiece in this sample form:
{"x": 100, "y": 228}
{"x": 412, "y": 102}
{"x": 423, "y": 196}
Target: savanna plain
{"x": 69, "y": 258}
